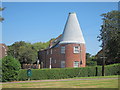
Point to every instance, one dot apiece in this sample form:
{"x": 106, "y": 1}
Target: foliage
{"x": 40, "y": 45}
{"x": 0, "y": 69}
{"x": 88, "y": 55}
{"x": 61, "y": 73}
{"x": 10, "y": 69}
{"x": 26, "y": 52}
{"x": 110, "y": 36}
{"x": 1, "y": 18}
{"x": 91, "y": 63}
{"x": 90, "y": 60}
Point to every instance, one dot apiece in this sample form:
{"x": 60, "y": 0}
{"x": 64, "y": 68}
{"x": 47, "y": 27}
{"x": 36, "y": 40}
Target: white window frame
{"x": 62, "y": 49}
{"x": 76, "y": 49}
{"x": 76, "y": 64}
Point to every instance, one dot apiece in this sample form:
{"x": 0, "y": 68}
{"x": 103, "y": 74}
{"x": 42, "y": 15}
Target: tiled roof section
{"x": 56, "y": 41}
{"x": 72, "y": 32}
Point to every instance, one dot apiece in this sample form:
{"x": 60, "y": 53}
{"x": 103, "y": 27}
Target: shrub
{"x": 91, "y": 63}
{"x": 0, "y": 70}
{"x": 10, "y": 69}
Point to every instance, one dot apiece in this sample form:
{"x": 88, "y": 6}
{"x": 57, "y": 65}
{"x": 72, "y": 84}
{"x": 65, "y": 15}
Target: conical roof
{"x": 72, "y": 32}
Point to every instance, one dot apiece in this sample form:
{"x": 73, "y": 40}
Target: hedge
{"x": 61, "y": 73}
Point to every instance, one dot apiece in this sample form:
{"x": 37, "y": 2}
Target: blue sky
{"x": 37, "y": 21}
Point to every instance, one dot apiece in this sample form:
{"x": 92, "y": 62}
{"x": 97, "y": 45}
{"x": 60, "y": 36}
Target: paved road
{"x": 57, "y": 80}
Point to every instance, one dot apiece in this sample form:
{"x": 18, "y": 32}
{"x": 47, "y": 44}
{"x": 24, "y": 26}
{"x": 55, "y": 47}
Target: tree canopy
{"x": 1, "y": 18}
{"x": 90, "y": 60}
{"x": 26, "y": 52}
{"x": 110, "y": 36}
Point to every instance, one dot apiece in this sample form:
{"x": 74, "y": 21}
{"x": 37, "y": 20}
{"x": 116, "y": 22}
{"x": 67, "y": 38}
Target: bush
{"x": 91, "y": 63}
{"x": 10, "y": 69}
{"x": 0, "y": 70}
{"x": 61, "y": 73}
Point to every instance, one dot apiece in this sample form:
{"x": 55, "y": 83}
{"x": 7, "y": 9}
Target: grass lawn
{"x": 84, "y": 82}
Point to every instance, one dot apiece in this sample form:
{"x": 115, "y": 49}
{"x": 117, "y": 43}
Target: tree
{"x": 10, "y": 68}
{"x": 110, "y": 36}
{"x": 26, "y": 53}
{"x": 88, "y": 55}
{"x": 23, "y": 51}
{"x": 0, "y": 70}
{"x": 91, "y": 60}
{"x": 40, "y": 45}
{"x": 1, "y": 18}
{"x": 14, "y": 48}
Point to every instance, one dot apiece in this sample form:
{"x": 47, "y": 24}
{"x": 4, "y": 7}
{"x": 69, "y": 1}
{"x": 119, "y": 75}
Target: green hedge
{"x": 61, "y": 73}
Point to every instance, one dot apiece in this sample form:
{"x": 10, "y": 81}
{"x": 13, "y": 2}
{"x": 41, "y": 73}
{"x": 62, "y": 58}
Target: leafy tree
{"x": 26, "y": 52}
{"x": 14, "y": 48}
{"x": 91, "y": 60}
{"x": 88, "y": 55}
{"x": 10, "y": 68}
{"x": 23, "y": 51}
{"x": 110, "y": 36}
{"x": 40, "y": 45}
{"x": 0, "y": 70}
{"x": 1, "y": 18}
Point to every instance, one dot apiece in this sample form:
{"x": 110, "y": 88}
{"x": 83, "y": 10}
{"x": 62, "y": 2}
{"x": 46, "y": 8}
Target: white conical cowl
{"x": 72, "y": 32}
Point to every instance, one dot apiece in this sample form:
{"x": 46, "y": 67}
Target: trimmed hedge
{"x": 61, "y": 73}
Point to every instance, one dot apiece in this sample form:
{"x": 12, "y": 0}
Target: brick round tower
{"x": 73, "y": 43}
{"x": 67, "y": 50}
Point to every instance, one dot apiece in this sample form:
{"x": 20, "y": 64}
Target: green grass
{"x": 95, "y": 83}
{"x": 113, "y": 76}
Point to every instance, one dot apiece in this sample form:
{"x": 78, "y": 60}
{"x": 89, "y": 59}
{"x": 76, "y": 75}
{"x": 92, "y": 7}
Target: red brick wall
{"x": 69, "y": 57}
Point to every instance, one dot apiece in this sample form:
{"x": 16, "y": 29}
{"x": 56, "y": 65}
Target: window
{"x": 51, "y": 51}
{"x": 76, "y": 49}
{"x": 47, "y": 52}
{"x": 76, "y": 64}
{"x": 55, "y": 61}
{"x": 63, "y": 49}
{"x": 62, "y": 64}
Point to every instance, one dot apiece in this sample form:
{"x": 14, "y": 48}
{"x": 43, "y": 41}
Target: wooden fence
{"x": 32, "y": 66}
